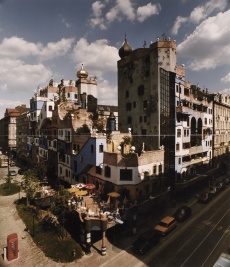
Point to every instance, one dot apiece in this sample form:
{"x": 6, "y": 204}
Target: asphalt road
{"x": 199, "y": 241}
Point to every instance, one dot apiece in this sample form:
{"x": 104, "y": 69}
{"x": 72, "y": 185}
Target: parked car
{"x": 12, "y": 164}
{"x": 182, "y": 213}
{"x": 219, "y": 186}
{"x": 204, "y": 197}
{"x": 22, "y": 170}
{"x": 146, "y": 241}
{"x": 226, "y": 181}
{"x": 12, "y": 173}
{"x": 213, "y": 190}
{"x": 166, "y": 225}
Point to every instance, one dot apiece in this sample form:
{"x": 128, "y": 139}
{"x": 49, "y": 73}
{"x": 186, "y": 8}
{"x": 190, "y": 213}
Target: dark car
{"x": 219, "y": 186}
{"x": 226, "y": 181}
{"x": 22, "y": 170}
{"x": 205, "y": 197}
{"x": 146, "y": 241}
{"x": 213, "y": 190}
{"x": 183, "y": 213}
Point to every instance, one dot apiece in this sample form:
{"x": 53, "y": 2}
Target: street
{"x": 197, "y": 242}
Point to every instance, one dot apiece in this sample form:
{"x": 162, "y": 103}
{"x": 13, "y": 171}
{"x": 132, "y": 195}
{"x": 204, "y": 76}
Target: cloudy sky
{"x": 50, "y": 39}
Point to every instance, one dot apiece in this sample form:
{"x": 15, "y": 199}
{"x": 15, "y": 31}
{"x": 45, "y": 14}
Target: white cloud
{"x": 226, "y": 79}
{"x": 209, "y": 45}
{"x": 126, "y": 8}
{"x": 147, "y": 11}
{"x": 95, "y": 55}
{"x": 58, "y": 49}
{"x": 15, "y": 47}
{"x": 97, "y": 8}
{"x": 17, "y": 76}
{"x": 179, "y": 21}
{"x": 119, "y": 10}
{"x": 107, "y": 93}
{"x": 97, "y": 20}
{"x": 64, "y": 21}
{"x": 200, "y": 13}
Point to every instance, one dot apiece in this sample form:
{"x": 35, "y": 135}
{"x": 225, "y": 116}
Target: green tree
{"x": 60, "y": 209}
{"x": 30, "y": 185}
{"x": 83, "y": 129}
{"x": 8, "y": 179}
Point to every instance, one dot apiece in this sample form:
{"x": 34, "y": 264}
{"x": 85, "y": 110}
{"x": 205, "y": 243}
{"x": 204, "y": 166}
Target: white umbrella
{"x": 80, "y": 185}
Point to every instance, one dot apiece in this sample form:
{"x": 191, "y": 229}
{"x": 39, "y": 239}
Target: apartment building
{"x": 221, "y": 129}
{"x": 194, "y": 129}
{"x": 8, "y": 140}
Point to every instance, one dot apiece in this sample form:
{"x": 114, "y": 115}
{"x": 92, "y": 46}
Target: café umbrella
{"x": 89, "y": 186}
{"x": 73, "y": 190}
{"x": 81, "y": 193}
{"x": 80, "y": 185}
{"x": 113, "y": 194}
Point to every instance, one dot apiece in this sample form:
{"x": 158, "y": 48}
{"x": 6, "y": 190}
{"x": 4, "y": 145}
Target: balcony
{"x": 195, "y": 150}
{"x": 182, "y": 109}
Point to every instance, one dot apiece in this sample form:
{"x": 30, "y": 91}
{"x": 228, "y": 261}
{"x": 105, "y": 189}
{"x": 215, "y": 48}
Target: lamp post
{"x": 8, "y": 160}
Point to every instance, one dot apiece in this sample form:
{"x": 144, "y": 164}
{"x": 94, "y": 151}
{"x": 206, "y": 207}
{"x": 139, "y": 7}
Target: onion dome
{"x": 82, "y": 74}
{"x": 125, "y": 50}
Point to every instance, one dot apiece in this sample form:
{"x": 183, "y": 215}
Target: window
{"x": 75, "y": 96}
{"x": 145, "y": 104}
{"x": 154, "y": 169}
{"x": 179, "y": 161}
{"x": 92, "y": 148}
{"x": 143, "y": 131}
{"x": 101, "y": 148}
{"x": 128, "y": 106}
{"x": 177, "y": 88}
{"x": 126, "y": 175}
{"x": 160, "y": 168}
{"x": 145, "y": 118}
{"x": 205, "y": 121}
{"x": 68, "y": 94}
{"x": 178, "y": 132}
{"x": 129, "y": 119}
{"x": 141, "y": 89}
{"x": 140, "y": 119}
{"x": 98, "y": 170}
{"x": 107, "y": 171}
{"x": 134, "y": 104}
{"x": 126, "y": 93}
{"x": 177, "y": 147}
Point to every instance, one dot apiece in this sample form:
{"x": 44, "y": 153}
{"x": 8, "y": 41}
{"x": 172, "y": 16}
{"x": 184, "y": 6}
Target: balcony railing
{"x": 195, "y": 150}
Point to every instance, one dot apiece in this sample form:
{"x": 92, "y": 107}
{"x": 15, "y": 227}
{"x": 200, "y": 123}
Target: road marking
{"x": 204, "y": 238}
{"x": 215, "y": 246}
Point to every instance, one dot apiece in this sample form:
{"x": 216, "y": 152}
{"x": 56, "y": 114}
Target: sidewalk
{"x": 29, "y": 254}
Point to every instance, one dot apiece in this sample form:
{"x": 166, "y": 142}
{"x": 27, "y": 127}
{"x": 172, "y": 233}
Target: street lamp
{"x": 8, "y": 160}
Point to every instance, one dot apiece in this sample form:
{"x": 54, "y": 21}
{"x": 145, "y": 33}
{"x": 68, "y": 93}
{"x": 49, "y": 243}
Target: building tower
{"x": 145, "y": 76}
{"x": 146, "y": 96}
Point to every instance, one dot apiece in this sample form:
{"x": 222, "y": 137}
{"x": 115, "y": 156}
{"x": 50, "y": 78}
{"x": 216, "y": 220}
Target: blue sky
{"x": 50, "y": 39}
